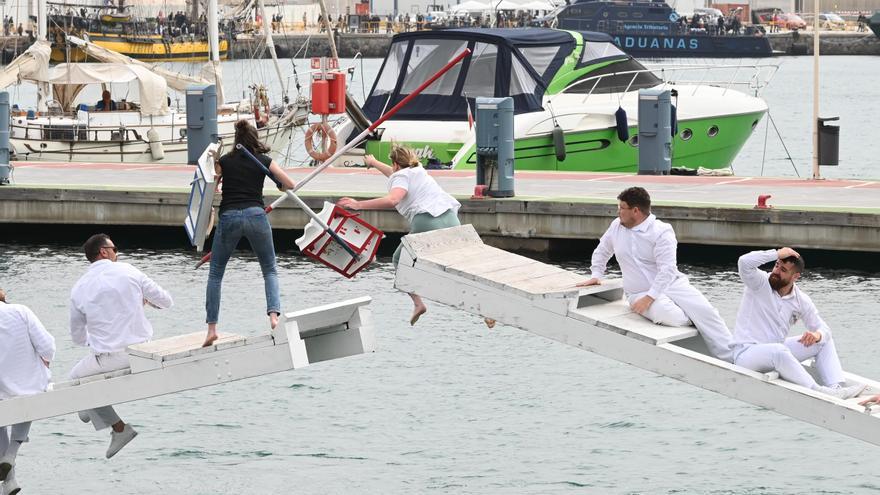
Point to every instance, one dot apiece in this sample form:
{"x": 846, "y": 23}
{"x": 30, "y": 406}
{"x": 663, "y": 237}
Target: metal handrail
{"x": 668, "y": 75}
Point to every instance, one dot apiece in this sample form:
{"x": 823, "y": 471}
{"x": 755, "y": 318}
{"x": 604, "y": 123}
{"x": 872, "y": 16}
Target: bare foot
{"x": 418, "y": 311}
{"x": 489, "y": 322}
{"x": 209, "y": 340}
{"x": 273, "y": 320}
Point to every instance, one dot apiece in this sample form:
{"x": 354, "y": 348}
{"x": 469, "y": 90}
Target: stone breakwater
{"x": 376, "y": 45}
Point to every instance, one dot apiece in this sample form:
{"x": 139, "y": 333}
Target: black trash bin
{"x": 829, "y": 142}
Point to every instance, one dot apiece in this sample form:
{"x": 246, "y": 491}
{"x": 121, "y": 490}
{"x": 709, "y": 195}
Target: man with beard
{"x": 771, "y": 304}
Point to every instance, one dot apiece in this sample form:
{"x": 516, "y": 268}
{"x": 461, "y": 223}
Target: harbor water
{"x": 450, "y": 406}
{"x": 447, "y": 406}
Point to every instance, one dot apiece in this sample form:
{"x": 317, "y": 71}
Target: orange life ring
{"x": 327, "y": 133}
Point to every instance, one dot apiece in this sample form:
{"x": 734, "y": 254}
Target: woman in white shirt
{"x": 416, "y": 196}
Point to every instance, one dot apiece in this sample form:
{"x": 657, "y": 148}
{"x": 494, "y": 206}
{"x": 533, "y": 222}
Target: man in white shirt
{"x": 771, "y": 304}
{"x": 107, "y": 315}
{"x": 645, "y": 249}
{"x": 25, "y": 353}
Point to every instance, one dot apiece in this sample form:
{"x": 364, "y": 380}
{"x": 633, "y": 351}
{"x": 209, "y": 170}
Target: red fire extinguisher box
{"x": 320, "y": 96}
{"x": 337, "y": 92}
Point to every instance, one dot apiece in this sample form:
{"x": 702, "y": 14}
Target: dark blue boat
{"x": 654, "y": 29}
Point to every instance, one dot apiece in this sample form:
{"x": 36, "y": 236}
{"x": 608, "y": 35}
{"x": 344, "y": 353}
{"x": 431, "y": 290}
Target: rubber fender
{"x": 156, "y": 148}
{"x": 673, "y": 117}
{"x": 622, "y": 124}
{"x": 559, "y": 143}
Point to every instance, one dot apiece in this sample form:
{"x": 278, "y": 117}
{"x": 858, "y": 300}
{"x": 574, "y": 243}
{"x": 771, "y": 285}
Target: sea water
{"x": 447, "y": 406}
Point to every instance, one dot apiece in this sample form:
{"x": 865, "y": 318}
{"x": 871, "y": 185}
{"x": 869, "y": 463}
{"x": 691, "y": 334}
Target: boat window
{"x": 540, "y": 57}
{"x": 387, "y": 80}
{"x": 426, "y": 59}
{"x": 595, "y": 50}
{"x": 521, "y": 82}
{"x": 615, "y": 78}
{"x": 481, "y": 74}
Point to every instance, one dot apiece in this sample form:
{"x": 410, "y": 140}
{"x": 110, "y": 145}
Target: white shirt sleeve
{"x": 667, "y": 262}
{"x": 153, "y": 293}
{"x": 603, "y": 252}
{"x": 811, "y": 317}
{"x": 78, "y": 331}
{"x": 399, "y": 180}
{"x": 749, "y": 265}
{"x": 43, "y": 341}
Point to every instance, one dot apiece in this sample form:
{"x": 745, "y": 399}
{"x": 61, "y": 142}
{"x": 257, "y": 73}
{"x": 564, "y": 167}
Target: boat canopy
{"x": 32, "y": 64}
{"x": 519, "y": 63}
{"x": 68, "y": 80}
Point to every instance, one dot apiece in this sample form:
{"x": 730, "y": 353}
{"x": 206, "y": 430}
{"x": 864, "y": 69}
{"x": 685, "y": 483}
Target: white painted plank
{"x": 160, "y": 348}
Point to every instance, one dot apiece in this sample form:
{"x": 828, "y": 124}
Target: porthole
{"x": 754, "y": 123}
{"x": 634, "y": 141}
{"x": 713, "y": 131}
{"x": 182, "y": 133}
{"x": 686, "y": 134}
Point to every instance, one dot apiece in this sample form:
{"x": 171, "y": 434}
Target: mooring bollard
{"x": 201, "y": 120}
{"x": 5, "y": 166}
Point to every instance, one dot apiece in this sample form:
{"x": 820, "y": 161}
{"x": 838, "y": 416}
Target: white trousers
{"x": 14, "y": 433}
{"x": 95, "y": 364}
{"x": 680, "y": 305}
{"x": 786, "y": 359}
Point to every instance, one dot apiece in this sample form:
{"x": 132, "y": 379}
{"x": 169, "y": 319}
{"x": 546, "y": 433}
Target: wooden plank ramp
{"x": 179, "y": 363}
{"x": 453, "y": 266}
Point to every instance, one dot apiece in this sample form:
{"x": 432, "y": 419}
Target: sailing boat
{"x": 145, "y": 131}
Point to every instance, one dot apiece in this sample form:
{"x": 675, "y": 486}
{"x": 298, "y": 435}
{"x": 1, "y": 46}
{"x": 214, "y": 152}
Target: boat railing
{"x": 753, "y": 77}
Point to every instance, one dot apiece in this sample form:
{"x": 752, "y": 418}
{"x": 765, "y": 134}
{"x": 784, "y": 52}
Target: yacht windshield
{"x": 427, "y": 58}
{"x": 628, "y": 75}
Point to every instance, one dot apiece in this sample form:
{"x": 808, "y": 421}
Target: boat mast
{"x": 214, "y": 47}
{"x": 816, "y": 175}
{"x": 270, "y": 44}
{"x": 44, "y": 91}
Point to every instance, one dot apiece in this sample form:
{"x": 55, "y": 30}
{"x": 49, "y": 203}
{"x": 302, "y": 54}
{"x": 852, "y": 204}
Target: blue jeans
{"x": 235, "y": 224}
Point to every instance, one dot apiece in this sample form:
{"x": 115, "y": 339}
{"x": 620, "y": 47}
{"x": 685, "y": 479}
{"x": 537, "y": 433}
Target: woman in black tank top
{"x": 242, "y": 214}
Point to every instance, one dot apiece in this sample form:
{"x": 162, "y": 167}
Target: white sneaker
{"x": 10, "y": 487}
{"x": 844, "y": 392}
{"x": 6, "y": 465}
{"x": 119, "y": 440}
{"x": 83, "y": 417}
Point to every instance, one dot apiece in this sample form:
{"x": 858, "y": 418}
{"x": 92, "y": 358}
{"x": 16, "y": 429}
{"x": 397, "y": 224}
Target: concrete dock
{"x": 550, "y": 210}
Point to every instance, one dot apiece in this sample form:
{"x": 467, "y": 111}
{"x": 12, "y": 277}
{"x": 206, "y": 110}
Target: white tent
{"x": 470, "y": 6}
{"x": 503, "y": 5}
{"x": 537, "y": 5}
{"x": 69, "y": 79}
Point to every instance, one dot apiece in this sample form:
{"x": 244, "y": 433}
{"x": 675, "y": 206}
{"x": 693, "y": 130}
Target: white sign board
{"x": 201, "y": 197}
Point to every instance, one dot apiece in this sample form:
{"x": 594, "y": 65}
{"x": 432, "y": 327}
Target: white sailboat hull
{"x": 120, "y": 137}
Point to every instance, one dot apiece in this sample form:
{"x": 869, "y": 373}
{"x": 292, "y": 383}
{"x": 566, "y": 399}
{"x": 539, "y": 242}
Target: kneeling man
{"x": 645, "y": 248}
{"x": 771, "y": 304}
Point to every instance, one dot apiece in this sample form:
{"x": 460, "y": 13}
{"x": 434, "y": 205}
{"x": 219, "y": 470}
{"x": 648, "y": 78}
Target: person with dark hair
{"x": 107, "y": 315}
{"x": 106, "y": 103}
{"x": 243, "y": 214}
{"x": 645, "y": 249}
{"x": 771, "y": 304}
{"x": 25, "y": 354}
{"x": 416, "y": 196}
